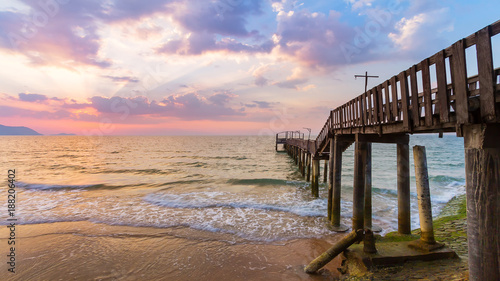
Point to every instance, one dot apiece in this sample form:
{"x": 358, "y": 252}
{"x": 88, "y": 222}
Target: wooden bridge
{"x": 433, "y": 96}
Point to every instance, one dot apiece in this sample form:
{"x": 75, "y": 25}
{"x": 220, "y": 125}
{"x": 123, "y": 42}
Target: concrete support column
{"x": 301, "y": 163}
{"x": 315, "y": 178}
{"x": 358, "y": 201}
{"x": 303, "y": 168}
{"x": 330, "y": 180}
{"x": 403, "y": 159}
{"x": 335, "y": 183}
{"x": 482, "y": 172}
{"x": 325, "y": 171}
{"x": 308, "y": 166}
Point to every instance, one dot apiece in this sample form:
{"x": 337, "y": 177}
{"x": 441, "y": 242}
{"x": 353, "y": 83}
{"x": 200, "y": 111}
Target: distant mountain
{"x": 17, "y": 131}
{"x": 64, "y": 134}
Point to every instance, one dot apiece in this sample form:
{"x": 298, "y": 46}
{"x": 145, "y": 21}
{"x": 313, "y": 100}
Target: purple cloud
{"x": 122, "y": 79}
{"x": 32, "y": 97}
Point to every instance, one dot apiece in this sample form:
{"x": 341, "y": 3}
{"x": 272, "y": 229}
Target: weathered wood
{"x": 364, "y": 101}
{"x": 392, "y": 138}
{"x": 308, "y": 176}
{"x": 415, "y": 109}
{"x": 315, "y": 178}
{"x": 482, "y": 166}
{"x": 368, "y": 187}
{"x": 459, "y": 77}
{"x": 442, "y": 92}
{"x": 331, "y": 178}
{"x": 358, "y": 201}
{"x": 486, "y": 75}
{"x": 403, "y": 83}
{"x": 404, "y": 214}
{"x": 423, "y": 195}
{"x": 337, "y": 181}
{"x": 394, "y": 88}
{"x": 426, "y": 84}
{"x": 375, "y": 106}
{"x": 334, "y": 251}
{"x": 370, "y": 108}
{"x": 387, "y": 102}
{"x": 325, "y": 171}
{"x": 380, "y": 103}
{"x": 301, "y": 157}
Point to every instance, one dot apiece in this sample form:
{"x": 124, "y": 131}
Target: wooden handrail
{"x": 434, "y": 101}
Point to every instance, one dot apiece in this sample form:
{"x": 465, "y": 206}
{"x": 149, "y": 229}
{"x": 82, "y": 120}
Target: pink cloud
{"x": 191, "y": 106}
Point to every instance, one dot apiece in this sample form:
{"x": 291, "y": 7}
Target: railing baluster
{"x": 403, "y": 82}
{"x": 394, "y": 88}
{"x": 459, "y": 80}
{"x": 415, "y": 108}
{"x": 380, "y": 103}
{"x": 442, "y": 94}
{"x": 426, "y": 83}
{"x": 370, "y": 107}
{"x": 486, "y": 75}
{"x": 387, "y": 102}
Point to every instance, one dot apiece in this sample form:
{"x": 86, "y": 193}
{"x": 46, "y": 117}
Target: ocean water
{"x": 236, "y": 186}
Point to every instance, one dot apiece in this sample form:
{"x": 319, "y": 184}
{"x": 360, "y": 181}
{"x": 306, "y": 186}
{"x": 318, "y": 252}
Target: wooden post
{"x": 315, "y": 178}
{"x": 301, "y": 162}
{"x": 368, "y": 190}
{"x": 482, "y": 172}
{"x": 325, "y": 171}
{"x": 358, "y": 201}
{"x": 308, "y": 166}
{"x": 303, "y": 168}
{"x": 403, "y": 159}
{"x": 335, "y": 183}
{"x": 330, "y": 186}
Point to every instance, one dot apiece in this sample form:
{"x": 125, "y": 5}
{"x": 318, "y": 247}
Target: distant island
{"x": 63, "y": 134}
{"x": 17, "y": 131}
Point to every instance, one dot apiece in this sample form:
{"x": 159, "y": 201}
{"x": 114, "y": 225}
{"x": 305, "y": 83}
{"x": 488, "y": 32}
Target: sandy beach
{"x": 88, "y": 251}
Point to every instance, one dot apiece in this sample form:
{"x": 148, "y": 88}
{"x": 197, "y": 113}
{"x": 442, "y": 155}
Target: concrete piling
{"x": 315, "y": 178}
{"x": 404, "y": 215}
{"x": 427, "y": 241}
{"x": 358, "y": 201}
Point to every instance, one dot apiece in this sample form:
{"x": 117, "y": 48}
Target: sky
{"x": 210, "y": 67}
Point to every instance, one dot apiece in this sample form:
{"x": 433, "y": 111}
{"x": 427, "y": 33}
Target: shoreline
{"x": 88, "y": 251}
{"x": 91, "y": 251}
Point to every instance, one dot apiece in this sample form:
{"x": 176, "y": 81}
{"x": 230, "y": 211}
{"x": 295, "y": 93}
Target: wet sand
{"x": 88, "y": 251}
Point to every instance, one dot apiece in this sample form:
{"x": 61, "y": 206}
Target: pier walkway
{"x": 434, "y": 96}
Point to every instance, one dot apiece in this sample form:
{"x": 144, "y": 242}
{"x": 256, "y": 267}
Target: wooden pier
{"x": 434, "y": 96}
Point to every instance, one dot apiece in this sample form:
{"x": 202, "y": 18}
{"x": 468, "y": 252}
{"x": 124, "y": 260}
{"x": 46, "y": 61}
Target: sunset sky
{"x": 187, "y": 67}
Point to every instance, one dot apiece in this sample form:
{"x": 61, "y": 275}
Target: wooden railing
{"x": 422, "y": 98}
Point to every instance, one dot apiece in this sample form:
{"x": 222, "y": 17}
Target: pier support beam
{"x": 403, "y": 159}
{"x": 335, "y": 183}
{"x": 304, "y": 159}
{"x": 482, "y": 172}
{"x": 358, "y": 200}
{"x": 308, "y": 166}
{"x": 325, "y": 171}
{"x": 301, "y": 161}
{"x": 315, "y": 178}
{"x": 330, "y": 180}
{"x": 426, "y": 241}
{"x": 368, "y": 190}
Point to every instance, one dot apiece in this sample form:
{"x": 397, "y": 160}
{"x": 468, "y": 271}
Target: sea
{"x": 232, "y": 186}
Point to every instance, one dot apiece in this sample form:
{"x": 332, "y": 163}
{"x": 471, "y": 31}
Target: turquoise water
{"x": 236, "y": 185}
